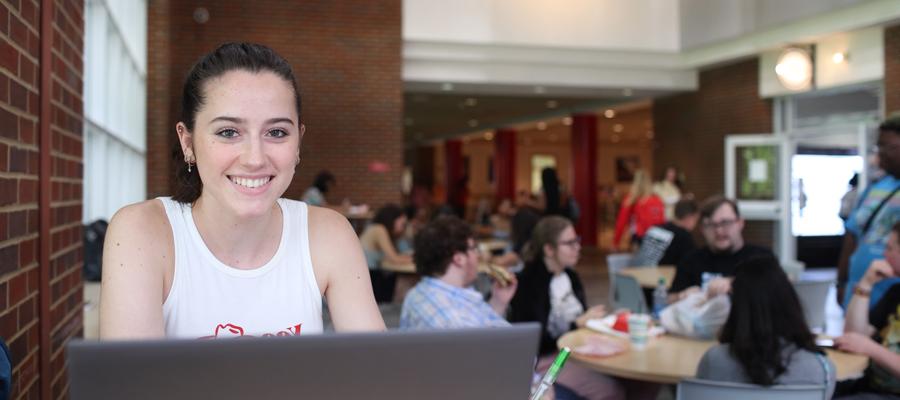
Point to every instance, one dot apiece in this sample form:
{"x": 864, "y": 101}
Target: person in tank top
{"x": 226, "y": 256}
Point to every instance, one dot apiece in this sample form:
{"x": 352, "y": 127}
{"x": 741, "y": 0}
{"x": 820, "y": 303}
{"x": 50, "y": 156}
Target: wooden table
{"x": 400, "y": 268}
{"x": 491, "y": 245}
{"x": 669, "y": 359}
{"x": 648, "y": 277}
{"x": 407, "y": 277}
{"x": 410, "y": 268}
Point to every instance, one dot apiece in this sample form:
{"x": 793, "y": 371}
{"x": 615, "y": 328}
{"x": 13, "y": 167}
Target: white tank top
{"x": 209, "y": 299}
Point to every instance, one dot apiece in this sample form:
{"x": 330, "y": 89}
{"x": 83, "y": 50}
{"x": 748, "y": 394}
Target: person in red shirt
{"x": 640, "y": 206}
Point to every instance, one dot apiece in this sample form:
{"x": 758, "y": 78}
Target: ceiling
{"x": 431, "y": 117}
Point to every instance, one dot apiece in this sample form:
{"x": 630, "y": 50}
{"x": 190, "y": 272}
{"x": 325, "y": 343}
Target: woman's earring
{"x": 189, "y": 161}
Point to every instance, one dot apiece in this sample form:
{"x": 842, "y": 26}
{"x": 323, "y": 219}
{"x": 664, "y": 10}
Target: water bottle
{"x": 660, "y": 297}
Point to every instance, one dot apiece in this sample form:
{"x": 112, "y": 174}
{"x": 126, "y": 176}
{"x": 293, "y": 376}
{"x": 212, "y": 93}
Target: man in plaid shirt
{"x": 447, "y": 259}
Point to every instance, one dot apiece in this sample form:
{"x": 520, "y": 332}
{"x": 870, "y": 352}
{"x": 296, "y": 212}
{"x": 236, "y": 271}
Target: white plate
{"x": 605, "y": 325}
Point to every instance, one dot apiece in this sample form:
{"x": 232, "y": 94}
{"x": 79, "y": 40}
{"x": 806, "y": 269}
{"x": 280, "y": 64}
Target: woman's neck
{"x": 243, "y": 243}
{"x": 553, "y": 266}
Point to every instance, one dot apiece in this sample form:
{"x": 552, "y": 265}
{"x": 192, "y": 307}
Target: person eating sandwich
{"x": 447, "y": 258}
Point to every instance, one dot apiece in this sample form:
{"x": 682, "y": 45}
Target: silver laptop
{"x": 490, "y": 363}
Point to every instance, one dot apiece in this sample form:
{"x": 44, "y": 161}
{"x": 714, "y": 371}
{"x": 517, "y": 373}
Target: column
{"x": 505, "y": 164}
{"x": 454, "y": 171}
{"x": 584, "y": 174}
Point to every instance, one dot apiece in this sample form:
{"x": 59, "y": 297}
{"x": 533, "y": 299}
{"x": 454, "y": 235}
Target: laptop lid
{"x": 489, "y": 363}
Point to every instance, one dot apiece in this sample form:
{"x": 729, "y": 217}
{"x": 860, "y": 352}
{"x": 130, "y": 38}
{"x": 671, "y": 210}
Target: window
{"x": 538, "y": 163}
{"x": 114, "y": 106}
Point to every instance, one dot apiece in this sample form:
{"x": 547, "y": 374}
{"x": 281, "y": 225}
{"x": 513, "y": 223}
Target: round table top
{"x": 670, "y": 359}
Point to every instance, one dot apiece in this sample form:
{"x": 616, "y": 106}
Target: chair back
{"x": 812, "y": 296}
{"x": 614, "y": 263}
{"x": 627, "y": 293}
{"x": 701, "y": 389}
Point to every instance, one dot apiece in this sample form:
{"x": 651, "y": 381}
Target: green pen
{"x": 550, "y": 377}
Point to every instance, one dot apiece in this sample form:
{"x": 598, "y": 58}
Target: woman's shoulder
{"x": 717, "y": 358}
{"x": 717, "y": 351}
{"x": 325, "y": 219}
{"x": 329, "y": 229}
{"x": 140, "y": 226}
{"x": 148, "y": 216}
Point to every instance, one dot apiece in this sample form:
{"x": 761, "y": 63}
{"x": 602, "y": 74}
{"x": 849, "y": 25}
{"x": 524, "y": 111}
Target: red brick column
{"x": 41, "y": 117}
{"x": 584, "y": 175}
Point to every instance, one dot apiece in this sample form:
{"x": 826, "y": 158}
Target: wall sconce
{"x": 840, "y": 57}
{"x": 201, "y": 15}
{"x": 795, "y": 69}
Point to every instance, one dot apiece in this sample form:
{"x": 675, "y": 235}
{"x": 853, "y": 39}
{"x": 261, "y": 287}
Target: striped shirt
{"x": 434, "y": 304}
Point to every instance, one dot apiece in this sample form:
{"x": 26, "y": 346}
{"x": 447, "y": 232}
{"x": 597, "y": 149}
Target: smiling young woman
{"x": 226, "y": 255}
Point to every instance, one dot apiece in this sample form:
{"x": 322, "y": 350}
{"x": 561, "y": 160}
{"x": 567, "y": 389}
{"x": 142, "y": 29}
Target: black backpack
{"x": 94, "y": 233}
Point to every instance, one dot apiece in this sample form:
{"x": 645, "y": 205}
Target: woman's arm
{"x": 136, "y": 253}
{"x": 386, "y": 246}
{"x": 341, "y": 272}
{"x": 857, "y": 316}
{"x": 861, "y": 344}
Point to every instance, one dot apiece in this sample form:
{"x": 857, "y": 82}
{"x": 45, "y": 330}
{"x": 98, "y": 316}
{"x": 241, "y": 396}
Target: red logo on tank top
{"x": 224, "y": 331}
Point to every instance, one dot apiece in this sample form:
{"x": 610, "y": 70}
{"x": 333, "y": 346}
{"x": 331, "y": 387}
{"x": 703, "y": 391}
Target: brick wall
{"x": 892, "y": 69}
{"x": 347, "y": 57}
{"x": 20, "y": 206}
{"x": 691, "y": 128}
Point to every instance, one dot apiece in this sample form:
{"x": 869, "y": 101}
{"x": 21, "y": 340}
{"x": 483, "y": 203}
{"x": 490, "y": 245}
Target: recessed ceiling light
{"x": 540, "y": 89}
{"x": 471, "y": 102}
{"x": 567, "y": 121}
{"x": 552, "y": 104}
{"x": 447, "y": 87}
{"x": 627, "y": 92}
{"x": 609, "y": 113}
{"x": 473, "y": 122}
{"x": 541, "y": 125}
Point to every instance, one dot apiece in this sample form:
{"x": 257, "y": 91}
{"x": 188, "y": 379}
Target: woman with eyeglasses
{"x": 551, "y": 293}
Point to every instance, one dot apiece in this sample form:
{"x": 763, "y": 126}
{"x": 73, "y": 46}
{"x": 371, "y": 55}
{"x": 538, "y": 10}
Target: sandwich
{"x": 498, "y": 273}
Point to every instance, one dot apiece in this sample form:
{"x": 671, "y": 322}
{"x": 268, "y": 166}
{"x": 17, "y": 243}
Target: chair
{"x": 614, "y": 263}
{"x": 627, "y": 293}
{"x": 812, "y": 296}
{"x": 700, "y": 389}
